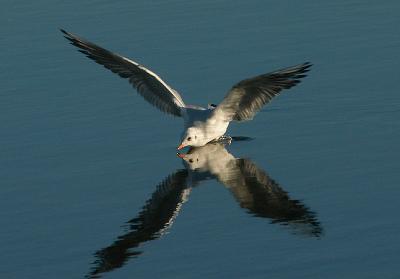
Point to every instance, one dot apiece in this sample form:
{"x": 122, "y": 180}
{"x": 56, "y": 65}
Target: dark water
{"x": 90, "y": 181}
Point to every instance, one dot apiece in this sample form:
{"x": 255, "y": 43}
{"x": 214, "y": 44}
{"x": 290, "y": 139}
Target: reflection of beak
{"x": 182, "y": 156}
{"x": 181, "y": 146}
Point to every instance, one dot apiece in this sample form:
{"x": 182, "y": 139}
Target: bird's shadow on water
{"x": 251, "y": 186}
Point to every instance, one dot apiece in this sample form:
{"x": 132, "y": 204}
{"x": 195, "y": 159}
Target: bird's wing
{"x": 247, "y": 97}
{"x": 149, "y": 85}
{"x": 263, "y": 197}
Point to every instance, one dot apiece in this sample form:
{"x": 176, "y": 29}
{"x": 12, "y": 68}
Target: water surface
{"x": 91, "y": 184}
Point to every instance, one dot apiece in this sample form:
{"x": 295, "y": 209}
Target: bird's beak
{"x": 181, "y": 146}
{"x": 182, "y": 156}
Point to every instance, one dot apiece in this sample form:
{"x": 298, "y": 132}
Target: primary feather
{"x": 149, "y": 85}
{"x": 247, "y": 97}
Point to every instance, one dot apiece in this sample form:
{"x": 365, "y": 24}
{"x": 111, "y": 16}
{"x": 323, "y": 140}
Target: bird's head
{"x": 192, "y": 161}
{"x": 211, "y": 155}
{"x": 191, "y": 137}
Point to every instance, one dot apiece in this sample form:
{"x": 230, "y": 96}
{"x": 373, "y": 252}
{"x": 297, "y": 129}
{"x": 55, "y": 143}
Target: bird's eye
{"x": 195, "y": 137}
{"x": 190, "y": 160}
{"x": 189, "y": 138}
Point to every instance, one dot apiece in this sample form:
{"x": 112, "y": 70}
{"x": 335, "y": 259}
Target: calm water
{"x": 90, "y": 181}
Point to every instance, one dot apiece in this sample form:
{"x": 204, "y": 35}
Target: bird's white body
{"x": 201, "y": 125}
{"x": 199, "y": 121}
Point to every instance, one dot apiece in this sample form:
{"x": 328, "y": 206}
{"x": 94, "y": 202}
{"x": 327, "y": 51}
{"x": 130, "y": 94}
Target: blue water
{"x": 86, "y": 164}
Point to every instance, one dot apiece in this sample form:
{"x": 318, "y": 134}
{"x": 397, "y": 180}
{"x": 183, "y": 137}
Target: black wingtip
{"x": 63, "y": 31}
{"x": 67, "y": 35}
{"x": 307, "y": 65}
{"x": 303, "y": 68}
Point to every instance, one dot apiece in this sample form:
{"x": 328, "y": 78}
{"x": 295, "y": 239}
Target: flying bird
{"x": 201, "y": 125}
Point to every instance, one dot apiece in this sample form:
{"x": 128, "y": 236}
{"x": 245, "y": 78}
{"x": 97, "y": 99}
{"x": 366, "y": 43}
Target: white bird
{"x": 201, "y": 125}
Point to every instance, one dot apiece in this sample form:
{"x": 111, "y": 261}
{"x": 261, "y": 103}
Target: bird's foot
{"x": 211, "y": 106}
{"x": 225, "y": 140}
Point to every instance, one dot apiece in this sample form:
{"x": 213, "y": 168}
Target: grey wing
{"x": 247, "y": 97}
{"x": 263, "y": 197}
{"x": 149, "y": 85}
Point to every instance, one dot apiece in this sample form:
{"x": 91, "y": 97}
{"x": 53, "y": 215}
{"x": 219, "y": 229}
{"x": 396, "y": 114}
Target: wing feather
{"x": 149, "y": 85}
{"x": 248, "y": 96}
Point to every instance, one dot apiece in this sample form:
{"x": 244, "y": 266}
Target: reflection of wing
{"x": 156, "y": 216}
{"x": 263, "y": 197}
{"x": 251, "y": 186}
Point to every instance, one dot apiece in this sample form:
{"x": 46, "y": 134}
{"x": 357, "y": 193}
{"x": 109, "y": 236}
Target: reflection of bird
{"x": 156, "y": 217}
{"x": 202, "y": 125}
{"x": 251, "y": 187}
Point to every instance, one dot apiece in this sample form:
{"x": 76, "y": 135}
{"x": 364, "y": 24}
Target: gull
{"x": 201, "y": 125}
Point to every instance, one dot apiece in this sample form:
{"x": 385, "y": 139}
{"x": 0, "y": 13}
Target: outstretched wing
{"x": 148, "y": 84}
{"x": 247, "y": 97}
